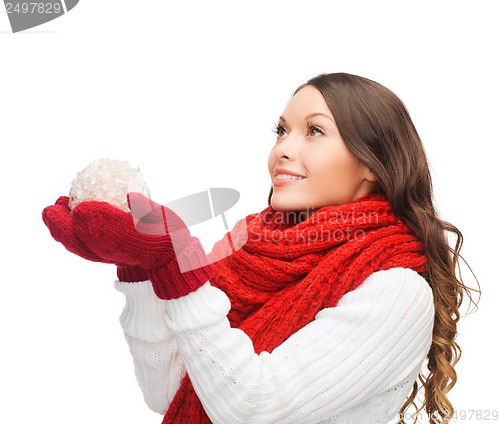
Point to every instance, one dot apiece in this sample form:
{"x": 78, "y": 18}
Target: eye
{"x": 279, "y": 130}
{"x": 314, "y": 130}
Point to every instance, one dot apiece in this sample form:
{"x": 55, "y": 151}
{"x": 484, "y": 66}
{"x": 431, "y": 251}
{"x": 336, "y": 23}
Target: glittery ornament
{"x": 107, "y": 180}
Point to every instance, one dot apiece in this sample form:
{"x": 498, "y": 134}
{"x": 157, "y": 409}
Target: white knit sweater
{"x": 354, "y": 363}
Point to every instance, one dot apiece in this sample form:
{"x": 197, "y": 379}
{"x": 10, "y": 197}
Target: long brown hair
{"x": 376, "y": 127}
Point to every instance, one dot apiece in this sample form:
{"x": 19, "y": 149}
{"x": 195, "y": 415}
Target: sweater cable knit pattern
{"x": 289, "y": 270}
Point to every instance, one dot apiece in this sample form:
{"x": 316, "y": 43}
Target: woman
{"x": 345, "y": 287}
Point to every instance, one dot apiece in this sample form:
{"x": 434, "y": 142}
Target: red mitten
{"x": 59, "y": 221}
{"x": 145, "y": 238}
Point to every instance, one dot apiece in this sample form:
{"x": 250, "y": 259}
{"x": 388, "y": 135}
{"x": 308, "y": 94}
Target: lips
{"x": 284, "y": 176}
{"x": 283, "y": 171}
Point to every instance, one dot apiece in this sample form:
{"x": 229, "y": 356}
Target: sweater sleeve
{"x": 158, "y": 365}
{"x": 355, "y": 362}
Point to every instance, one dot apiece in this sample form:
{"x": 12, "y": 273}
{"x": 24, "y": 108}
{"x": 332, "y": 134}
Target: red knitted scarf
{"x": 289, "y": 270}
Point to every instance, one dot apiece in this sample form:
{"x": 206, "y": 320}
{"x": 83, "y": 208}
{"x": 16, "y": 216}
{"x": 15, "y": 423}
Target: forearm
{"x": 158, "y": 365}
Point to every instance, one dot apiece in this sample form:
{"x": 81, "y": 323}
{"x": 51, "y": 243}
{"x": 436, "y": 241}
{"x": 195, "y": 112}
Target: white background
{"x": 189, "y": 92}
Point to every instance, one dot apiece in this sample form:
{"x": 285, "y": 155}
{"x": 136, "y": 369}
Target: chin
{"x": 280, "y": 205}
{"x": 286, "y": 206}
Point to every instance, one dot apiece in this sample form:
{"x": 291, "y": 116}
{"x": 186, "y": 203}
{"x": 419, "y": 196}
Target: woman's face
{"x": 310, "y": 165}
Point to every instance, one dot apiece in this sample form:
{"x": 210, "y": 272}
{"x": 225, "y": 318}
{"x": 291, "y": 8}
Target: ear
{"x": 369, "y": 175}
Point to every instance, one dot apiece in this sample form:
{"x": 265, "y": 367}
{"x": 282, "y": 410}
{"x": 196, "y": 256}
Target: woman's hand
{"x": 143, "y": 239}
{"x": 118, "y": 237}
{"x": 59, "y": 221}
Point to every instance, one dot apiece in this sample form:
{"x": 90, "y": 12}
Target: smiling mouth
{"x": 281, "y": 177}
{"x": 281, "y": 180}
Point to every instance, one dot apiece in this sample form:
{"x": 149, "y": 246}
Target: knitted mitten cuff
{"x": 170, "y": 282}
{"x": 131, "y": 274}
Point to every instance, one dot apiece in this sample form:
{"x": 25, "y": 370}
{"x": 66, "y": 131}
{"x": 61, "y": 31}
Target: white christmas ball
{"x": 107, "y": 180}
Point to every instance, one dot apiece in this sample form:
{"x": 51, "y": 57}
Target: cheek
{"x": 337, "y": 168}
{"x": 330, "y": 163}
{"x": 271, "y": 161}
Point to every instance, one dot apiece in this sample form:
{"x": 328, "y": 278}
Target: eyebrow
{"x": 311, "y": 115}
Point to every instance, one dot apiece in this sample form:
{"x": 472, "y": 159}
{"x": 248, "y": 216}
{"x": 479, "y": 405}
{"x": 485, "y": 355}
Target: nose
{"x": 286, "y": 149}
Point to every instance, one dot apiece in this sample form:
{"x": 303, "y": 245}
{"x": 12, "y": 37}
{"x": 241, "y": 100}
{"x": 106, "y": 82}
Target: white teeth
{"x": 288, "y": 177}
